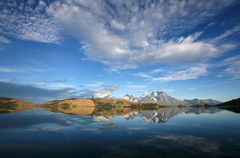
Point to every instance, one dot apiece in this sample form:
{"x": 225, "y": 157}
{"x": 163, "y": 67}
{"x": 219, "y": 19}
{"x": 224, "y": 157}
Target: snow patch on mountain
{"x": 158, "y": 97}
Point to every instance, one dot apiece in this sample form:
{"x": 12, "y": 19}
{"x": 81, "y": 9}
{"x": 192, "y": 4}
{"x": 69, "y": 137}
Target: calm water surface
{"x": 168, "y": 132}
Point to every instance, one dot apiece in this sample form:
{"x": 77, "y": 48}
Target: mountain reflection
{"x": 152, "y": 114}
{"x": 155, "y": 115}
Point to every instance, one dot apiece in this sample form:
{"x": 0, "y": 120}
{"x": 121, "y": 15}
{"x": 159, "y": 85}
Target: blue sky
{"x": 61, "y": 49}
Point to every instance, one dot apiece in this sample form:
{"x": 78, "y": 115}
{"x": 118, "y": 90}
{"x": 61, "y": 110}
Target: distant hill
{"x": 232, "y": 105}
{"x": 14, "y": 105}
{"x": 234, "y": 102}
{"x": 202, "y": 101}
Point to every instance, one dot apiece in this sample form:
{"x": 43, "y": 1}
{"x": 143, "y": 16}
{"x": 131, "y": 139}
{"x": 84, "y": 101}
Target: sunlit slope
{"x": 81, "y": 106}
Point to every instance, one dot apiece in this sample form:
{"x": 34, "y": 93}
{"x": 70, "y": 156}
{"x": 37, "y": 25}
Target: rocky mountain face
{"x": 163, "y": 98}
{"x": 156, "y": 97}
{"x": 130, "y": 98}
{"x": 202, "y": 101}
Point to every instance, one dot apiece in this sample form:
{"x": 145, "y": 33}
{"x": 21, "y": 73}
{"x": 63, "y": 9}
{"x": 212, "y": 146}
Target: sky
{"x": 86, "y": 48}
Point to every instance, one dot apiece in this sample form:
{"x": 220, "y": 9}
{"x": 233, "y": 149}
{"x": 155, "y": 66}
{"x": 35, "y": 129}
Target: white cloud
{"x": 95, "y": 89}
{"x": 117, "y": 25}
{"x": 25, "y": 21}
{"x": 190, "y": 73}
{"x": 179, "y": 53}
{"x": 106, "y": 91}
{"x": 55, "y": 85}
{"x": 49, "y": 90}
{"x": 92, "y": 84}
{"x": 132, "y": 36}
{"x": 156, "y": 71}
{"x": 121, "y": 34}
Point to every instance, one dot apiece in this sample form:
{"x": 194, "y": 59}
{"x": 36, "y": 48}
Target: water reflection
{"x": 153, "y": 114}
{"x": 162, "y": 114}
{"x": 120, "y": 132}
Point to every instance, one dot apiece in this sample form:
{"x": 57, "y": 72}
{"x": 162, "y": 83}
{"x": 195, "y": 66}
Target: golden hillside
{"x": 81, "y": 106}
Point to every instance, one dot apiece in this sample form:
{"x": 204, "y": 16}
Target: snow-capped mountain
{"x": 156, "y": 97}
{"x": 130, "y": 98}
{"x": 202, "y": 101}
{"x": 161, "y": 98}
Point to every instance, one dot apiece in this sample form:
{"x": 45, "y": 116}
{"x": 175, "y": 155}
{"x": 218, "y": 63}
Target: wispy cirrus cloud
{"x": 143, "y": 75}
{"x": 234, "y": 30}
{"x": 135, "y": 86}
{"x": 92, "y": 84}
{"x": 11, "y": 70}
{"x": 232, "y": 66}
{"x": 190, "y": 73}
{"x": 22, "y": 70}
{"x": 186, "y": 74}
{"x": 149, "y": 74}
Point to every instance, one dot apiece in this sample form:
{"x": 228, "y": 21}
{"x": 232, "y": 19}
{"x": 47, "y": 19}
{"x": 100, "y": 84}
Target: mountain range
{"x": 160, "y": 97}
{"x": 85, "y": 106}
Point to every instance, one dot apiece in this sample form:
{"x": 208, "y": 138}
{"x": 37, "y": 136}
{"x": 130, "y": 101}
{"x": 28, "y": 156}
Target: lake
{"x": 164, "y": 132}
